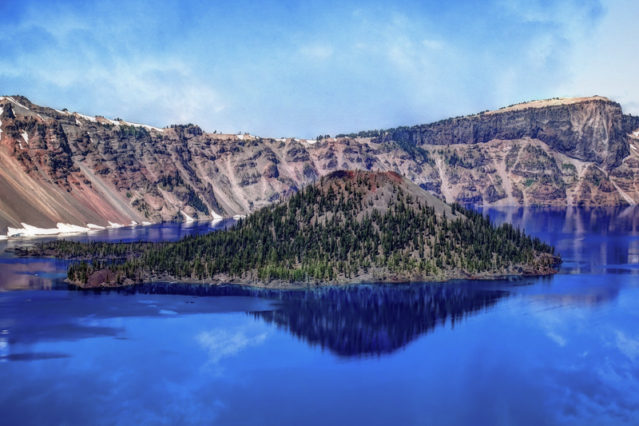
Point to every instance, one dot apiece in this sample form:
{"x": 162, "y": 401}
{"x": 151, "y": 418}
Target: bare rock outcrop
{"x": 59, "y": 166}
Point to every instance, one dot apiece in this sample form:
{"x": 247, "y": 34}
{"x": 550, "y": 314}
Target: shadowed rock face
{"x": 57, "y": 166}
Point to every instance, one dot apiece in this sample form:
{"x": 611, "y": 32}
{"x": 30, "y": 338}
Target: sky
{"x": 288, "y": 68}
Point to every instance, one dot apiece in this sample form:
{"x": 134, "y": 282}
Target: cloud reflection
{"x": 222, "y": 343}
{"x": 629, "y": 346}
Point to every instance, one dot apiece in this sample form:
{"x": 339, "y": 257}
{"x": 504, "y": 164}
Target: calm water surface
{"x": 559, "y": 350}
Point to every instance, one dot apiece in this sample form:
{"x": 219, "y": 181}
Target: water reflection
{"x": 590, "y": 240}
{"x": 45, "y": 274}
{"x": 29, "y": 318}
{"x": 376, "y": 319}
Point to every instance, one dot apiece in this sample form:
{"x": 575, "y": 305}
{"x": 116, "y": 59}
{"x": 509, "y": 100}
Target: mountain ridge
{"x": 69, "y": 168}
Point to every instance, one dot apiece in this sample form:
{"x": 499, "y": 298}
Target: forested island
{"x": 349, "y": 227}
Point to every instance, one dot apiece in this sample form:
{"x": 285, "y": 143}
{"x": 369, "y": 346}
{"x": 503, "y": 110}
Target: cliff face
{"x": 587, "y": 129}
{"x": 57, "y": 166}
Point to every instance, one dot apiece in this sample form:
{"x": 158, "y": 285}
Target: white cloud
{"x": 317, "y": 51}
{"x": 605, "y": 61}
{"x": 377, "y": 66}
{"x": 433, "y": 44}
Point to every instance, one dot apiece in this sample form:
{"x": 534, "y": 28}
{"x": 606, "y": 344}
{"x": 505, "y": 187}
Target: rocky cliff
{"x": 68, "y": 168}
{"x": 587, "y": 129}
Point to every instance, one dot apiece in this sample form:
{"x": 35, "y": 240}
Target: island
{"x": 348, "y": 227}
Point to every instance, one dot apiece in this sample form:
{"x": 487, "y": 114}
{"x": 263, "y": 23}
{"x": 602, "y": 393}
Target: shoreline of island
{"x": 101, "y": 281}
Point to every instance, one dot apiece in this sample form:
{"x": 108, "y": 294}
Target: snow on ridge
{"x": 86, "y": 117}
{"x": 146, "y": 126}
{"x": 16, "y": 102}
{"x": 310, "y": 141}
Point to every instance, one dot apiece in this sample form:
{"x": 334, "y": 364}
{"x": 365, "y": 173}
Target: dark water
{"x": 559, "y": 350}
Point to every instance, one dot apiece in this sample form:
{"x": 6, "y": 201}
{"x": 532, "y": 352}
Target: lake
{"x": 554, "y": 350}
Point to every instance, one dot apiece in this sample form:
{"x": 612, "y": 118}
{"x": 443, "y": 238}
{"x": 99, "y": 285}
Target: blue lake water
{"x": 558, "y": 350}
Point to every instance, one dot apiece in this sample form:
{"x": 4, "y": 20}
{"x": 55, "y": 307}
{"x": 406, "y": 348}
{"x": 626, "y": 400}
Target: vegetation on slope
{"x": 348, "y": 227}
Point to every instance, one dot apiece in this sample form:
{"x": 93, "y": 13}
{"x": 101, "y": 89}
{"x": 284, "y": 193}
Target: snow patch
{"x": 633, "y": 147}
{"x": 216, "y": 216}
{"x": 140, "y": 125}
{"x": 66, "y": 228}
{"x": 187, "y": 218}
{"x": 310, "y": 141}
{"x": 17, "y": 103}
{"x": 25, "y": 136}
{"x": 635, "y": 134}
{"x": 147, "y": 127}
{"x": 239, "y": 216}
{"x": 3, "y": 237}
{"x": 114, "y": 225}
{"x": 86, "y": 117}
{"x": 95, "y": 227}
{"x": 240, "y": 137}
{"x": 146, "y": 223}
{"x": 33, "y": 231}
{"x": 133, "y": 223}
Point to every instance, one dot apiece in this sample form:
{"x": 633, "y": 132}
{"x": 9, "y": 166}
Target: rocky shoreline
{"x": 96, "y": 282}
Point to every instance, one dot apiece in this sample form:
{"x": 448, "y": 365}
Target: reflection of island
{"x": 376, "y": 319}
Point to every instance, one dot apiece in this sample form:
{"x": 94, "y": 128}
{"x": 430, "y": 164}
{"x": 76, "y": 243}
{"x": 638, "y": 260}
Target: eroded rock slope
{"x": 64, "y": 167}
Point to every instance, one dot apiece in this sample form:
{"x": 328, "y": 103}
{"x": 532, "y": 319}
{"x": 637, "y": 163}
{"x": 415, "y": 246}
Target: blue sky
{"x": 285, "y": 68}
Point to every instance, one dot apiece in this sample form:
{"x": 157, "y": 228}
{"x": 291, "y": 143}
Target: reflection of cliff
{"x": 374, "y": 320}
{"x": 28, "y": 274}
{"x": 590, "y": 240}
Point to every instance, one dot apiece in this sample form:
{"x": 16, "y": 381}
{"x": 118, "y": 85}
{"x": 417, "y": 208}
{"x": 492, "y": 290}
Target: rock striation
{"x": 61, "y": 167}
